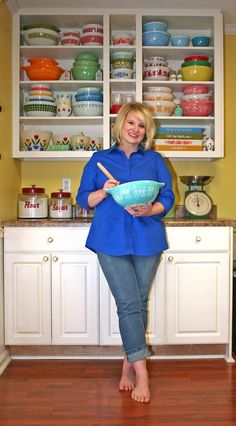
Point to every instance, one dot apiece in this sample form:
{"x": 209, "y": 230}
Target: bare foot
{"x": 141, "y": 392}
{"x": 127, "y": 380}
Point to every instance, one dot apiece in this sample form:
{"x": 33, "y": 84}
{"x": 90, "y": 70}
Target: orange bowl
{"x": 43, "y": 73}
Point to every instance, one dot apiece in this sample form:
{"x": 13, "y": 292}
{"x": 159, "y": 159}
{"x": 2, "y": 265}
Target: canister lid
{"x": 61, "y": 194}
{"x": 33, "y": 190}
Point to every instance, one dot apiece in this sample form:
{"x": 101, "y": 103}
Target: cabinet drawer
{"x": 45, "y": 238}
{"x": 198, "y": 238}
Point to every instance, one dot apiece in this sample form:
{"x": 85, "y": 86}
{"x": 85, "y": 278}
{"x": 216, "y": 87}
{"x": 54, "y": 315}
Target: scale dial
{"x": 198, "y": 203}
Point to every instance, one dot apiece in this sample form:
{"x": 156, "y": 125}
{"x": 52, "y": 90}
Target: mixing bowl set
{"x": 196, "y": 68}
{"x": 40, "y": 35}
{"x": 92, "y": 35}
{"x": 70, "y": 37}
{"x": 156, "y": 68}
{"x": 155, "y": 34}
{"x": 88, "y": 101}
{"x": 85, "y": 66}
{"x": 40, "y": 102}
{"x": 197, "y": 101}
{"x": 160, "y": 100}
{"x": 122, "y": 64}
{"x": 43, "y": 69}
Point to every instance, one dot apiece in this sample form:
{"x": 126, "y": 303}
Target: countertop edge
{"x": 80, "y": 222}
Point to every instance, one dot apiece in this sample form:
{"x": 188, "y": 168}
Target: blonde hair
{"x": 144, "y": 114}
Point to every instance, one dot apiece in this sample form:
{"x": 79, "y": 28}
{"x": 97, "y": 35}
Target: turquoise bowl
{"x": 135, "y": 193}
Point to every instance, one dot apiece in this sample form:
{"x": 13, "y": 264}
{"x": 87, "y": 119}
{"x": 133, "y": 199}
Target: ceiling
{"x": 228, "y": 7}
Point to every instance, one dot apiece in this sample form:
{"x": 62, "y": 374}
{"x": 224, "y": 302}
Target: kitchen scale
{"x": 198, "y": 203}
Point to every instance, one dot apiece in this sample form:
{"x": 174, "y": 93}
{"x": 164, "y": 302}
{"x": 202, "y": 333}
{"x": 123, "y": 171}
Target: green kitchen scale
{"x": 198, "y": 203}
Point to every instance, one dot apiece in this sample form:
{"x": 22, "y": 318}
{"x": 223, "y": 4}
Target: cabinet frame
{"x": 215, "y": 19}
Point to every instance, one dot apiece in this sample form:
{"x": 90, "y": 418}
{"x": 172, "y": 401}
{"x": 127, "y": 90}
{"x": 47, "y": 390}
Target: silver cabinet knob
{"x": 50, "y": 239}
{"x": 45, "y": 258}
{"x": 198, "y": 239}
{"x": 55, "y": 258}
{"x": 170, "y": 258}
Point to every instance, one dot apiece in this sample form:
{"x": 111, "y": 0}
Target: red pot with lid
{"x": 33, "y": 203}
{"x": 60, "y": 205}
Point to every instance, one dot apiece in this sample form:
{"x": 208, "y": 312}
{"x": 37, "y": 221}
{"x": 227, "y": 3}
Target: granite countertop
{"x": 81, "y": 222}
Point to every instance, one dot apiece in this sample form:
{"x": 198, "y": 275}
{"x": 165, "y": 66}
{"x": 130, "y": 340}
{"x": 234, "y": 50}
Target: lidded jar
{"x": 33, "y": 203}
{"x": 60, "y": 205}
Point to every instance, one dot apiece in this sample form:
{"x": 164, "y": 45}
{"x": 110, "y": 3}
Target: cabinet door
{"x": 74, "y": 298}
{"x": 27, "y": 299}
{"x": 197, "y": 300}
{"x": 109, "y": 328}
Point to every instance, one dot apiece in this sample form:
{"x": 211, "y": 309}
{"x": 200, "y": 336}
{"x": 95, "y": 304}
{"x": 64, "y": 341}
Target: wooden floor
{"x": 84, "y": 393}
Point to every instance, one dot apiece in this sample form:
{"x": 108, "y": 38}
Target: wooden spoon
{"x": 105, "y": 171}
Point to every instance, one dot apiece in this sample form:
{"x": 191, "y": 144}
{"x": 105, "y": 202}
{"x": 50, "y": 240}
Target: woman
{"x": 129, "y": 241}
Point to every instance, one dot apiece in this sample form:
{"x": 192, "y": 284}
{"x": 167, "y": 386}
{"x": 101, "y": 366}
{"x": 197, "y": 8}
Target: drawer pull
{"x": 55, "y": 258}
{"x": 45, "y": 258}
{"x": 50, "y": 239}
{"x": 170, "y": 258}
{"x": 198, "y": 239}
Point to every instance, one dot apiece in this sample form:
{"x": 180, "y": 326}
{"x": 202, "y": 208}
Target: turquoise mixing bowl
{"x": 139, "y": 192}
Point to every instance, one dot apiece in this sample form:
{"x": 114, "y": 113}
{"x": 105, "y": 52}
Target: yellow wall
{"x": 9, "y": 168}
{"x": 49, "y": 174}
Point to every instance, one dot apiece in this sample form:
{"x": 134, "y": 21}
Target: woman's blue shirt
{"x": 113, "y": 230}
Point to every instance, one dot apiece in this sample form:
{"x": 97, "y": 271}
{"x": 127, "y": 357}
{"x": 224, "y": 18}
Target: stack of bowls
{"x": 85, "y": 66}
{"x": 70, "y": 37}
{"x": 88, "y": 102}
{"x": 40, "y": 102}
{"x": 155, "y": 34}
{"x": 197, "y": 101}
{"x": 160, "y": 100}
{"x": 40, "y": 35}
{"x": 122, "y": 63}
{"x": 92, "y": 35}
{"x": 122, "y": 39}
{"x": 156, "y": 68}
{"x": 43, "y": 69}
{"x": 196, "y": 68}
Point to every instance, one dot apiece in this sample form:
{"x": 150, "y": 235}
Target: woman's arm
{"x": 97, "y": 196}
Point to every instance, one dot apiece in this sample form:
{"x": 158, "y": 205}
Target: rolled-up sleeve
{"x": 87, "y": 184}
{"x": 166, "y": 195}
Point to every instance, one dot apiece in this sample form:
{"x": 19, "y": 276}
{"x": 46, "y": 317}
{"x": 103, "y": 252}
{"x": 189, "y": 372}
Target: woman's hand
{"x": 148, "y": 209}
{"x": 110, "y": 183}
{"x": 144, "y": 210}
{"x": 97, "y": 196}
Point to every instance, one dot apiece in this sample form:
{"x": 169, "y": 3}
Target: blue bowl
{"x": 139, "y": 192}
{"x": 155, "y": 26}
{"x": 156, "y": 38}
{"x": 201, "y": 41}
{"x": 98, "y": 97}
{"x": 180, "y": 40}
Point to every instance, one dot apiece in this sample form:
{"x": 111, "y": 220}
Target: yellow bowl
{"x": 197, "y": 73}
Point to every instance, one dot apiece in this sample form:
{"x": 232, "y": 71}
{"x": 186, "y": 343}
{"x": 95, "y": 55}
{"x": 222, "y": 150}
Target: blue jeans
{"x": 130, "y": 278}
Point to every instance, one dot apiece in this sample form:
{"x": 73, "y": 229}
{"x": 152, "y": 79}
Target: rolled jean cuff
{"x": 141, "y": 353}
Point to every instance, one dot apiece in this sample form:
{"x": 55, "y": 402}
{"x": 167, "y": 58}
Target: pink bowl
{"x": 93, "y": 28}
{"x": 156, "y": 73}
{"x": 190, "y": 89}
{"x": 91, "y": 39}
{"x": 197, "y": 108}
{"x": 70, "y": 41}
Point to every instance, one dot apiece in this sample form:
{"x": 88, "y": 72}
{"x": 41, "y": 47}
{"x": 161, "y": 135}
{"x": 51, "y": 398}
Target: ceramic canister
{"x": 60, "y": 205}
{"x": 33, "y": 203}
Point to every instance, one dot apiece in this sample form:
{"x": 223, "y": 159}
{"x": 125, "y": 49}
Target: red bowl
{"x": 191, "y": 89}
{"x": 197, "y": 107}
{"x": 196, "y": 58}
{"x": 91, "y": 39}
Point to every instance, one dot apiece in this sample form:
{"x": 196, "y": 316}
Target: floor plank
{"x": 84, "y": 393}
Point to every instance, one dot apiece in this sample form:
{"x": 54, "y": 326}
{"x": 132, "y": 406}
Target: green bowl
{"x": 91, "y": 57}
{"x": 84, "y": 73}
{"x": 135, "y": 193}
{"x": 190, "y": 63}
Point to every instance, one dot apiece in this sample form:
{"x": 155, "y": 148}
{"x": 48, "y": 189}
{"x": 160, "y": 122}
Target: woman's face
{"x": 133, "y": 130}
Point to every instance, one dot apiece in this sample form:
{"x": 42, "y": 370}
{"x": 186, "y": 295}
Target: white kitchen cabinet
{"x": 109, "y": 328}
{"x": 198, "y": 285}
{"x": 192, "y": 294}
{"x": 51, "y": 287}
{"x": 180, "y": 21}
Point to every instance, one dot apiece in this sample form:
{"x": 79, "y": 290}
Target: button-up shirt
{"x": 114, "y": 231}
